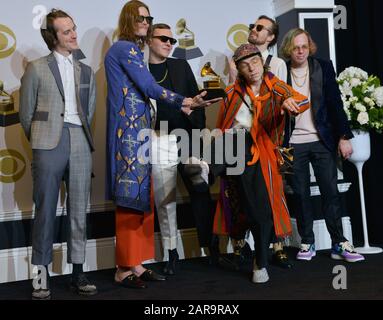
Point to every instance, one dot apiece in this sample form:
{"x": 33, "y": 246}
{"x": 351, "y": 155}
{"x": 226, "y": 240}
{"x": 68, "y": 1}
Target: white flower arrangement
{"x": 362, "y": 98}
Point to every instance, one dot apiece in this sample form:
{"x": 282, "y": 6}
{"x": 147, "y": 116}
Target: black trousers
{"x": 324, "y": 164}
{"x": 201, "y": 205}
{"x": 254, "y": 199}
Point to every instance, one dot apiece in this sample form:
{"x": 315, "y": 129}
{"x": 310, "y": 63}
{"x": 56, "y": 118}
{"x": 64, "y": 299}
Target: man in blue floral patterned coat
{"x": 130, "y": 85}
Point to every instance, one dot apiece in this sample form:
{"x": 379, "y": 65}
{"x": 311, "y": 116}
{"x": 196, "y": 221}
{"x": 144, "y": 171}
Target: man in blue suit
{"x": 316, "y": 136}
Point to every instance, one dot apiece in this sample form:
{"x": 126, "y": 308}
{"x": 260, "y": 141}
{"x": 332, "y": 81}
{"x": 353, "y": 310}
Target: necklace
{"x": 163, "y": 79}
{"x": 296, "y": 77}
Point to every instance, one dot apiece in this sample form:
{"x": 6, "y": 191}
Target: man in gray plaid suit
{"x": 57, "y": 103}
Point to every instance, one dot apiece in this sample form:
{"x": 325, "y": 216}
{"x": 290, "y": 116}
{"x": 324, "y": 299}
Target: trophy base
{"x": 213, "y": 93}
{"x": 8, "y": 119}
{"x": 187, "y": 53}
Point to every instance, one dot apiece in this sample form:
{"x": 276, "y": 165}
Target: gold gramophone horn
{"x": 207, "y": 70}
{"x": 181, "y": 27}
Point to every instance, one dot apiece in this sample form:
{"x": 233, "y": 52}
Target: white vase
{"x": 361, "y": 153}
{"x": 361, "y": 146}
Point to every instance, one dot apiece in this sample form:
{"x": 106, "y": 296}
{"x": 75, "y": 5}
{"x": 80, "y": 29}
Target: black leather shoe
{"x": 170, "y": 267}
{"x": 150, "y": 275}
{"x": 82, "y": 285}
{"x": 281, "y": 259}
{"x": 131, "y": 281}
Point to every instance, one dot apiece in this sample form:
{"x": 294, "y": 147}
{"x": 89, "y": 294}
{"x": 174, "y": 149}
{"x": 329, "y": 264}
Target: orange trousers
{"x": 134, "y": 237}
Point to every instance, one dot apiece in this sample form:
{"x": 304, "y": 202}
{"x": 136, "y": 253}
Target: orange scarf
{"x": 263, "y": 149}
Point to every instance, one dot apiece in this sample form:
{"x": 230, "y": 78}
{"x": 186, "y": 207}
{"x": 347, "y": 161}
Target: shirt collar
{"x": 60, "y": 58}
{"x": 265, "y": 54}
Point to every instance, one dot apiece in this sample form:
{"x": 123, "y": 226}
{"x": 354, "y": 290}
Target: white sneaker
{"x": 260, "y": 276}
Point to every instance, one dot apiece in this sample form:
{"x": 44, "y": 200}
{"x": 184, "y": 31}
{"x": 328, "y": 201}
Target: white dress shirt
{"x": 277, "y": 65}
{"x": 244, "y": 117}
{"x": 66, "y": 69}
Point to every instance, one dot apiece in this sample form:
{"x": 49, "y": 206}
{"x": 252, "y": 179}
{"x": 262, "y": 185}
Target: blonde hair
{"x": 287, "y": 46}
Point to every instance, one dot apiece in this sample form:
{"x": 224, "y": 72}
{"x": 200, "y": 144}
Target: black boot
{"x": 217, "y": 259}
{"x": 170, "y": 267}
{"x": 281, "y": 259}
{"x": 80, "y": 283}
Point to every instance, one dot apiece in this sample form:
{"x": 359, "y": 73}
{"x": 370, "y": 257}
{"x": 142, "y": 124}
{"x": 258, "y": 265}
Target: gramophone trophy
{"x": 212, "y": 83}
{"x": 8, "y": 114}
{"x": 187, "y": 49}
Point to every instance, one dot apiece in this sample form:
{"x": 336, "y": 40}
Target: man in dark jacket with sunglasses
{"x": 175, "y": 75}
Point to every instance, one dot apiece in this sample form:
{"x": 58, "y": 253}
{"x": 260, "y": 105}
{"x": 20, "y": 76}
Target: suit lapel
{"x": 53, "y": 66}
{"x": 77, "y": 79}
{"x": 316, "y": 81}
{"x": 288, "y": 80}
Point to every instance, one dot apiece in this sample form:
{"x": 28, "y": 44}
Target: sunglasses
{"x": 148, "y": 19}
{"x": 165, "y": 39}
{"x": 258, "y": 27}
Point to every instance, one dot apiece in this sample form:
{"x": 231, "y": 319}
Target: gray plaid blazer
{"x": 42, "y": 101}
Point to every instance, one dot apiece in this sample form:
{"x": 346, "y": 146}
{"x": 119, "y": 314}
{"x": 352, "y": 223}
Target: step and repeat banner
{"x": 209, "y": 32}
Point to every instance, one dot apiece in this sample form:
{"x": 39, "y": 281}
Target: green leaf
{"x": 357, "y": 91}
{"x": 373, "y": 114}
{"x": 375, "y": 81}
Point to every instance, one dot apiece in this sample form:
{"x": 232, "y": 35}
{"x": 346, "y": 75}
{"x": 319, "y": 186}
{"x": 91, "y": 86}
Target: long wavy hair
{"x": 127, "y": 23}
{"x": 287, "y": 46}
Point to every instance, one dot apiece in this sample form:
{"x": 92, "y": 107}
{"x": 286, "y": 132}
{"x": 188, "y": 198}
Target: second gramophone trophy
{"x": 8, "y": 114}
{"x": 211, "y": 83}
{"x": 187, "y": 49}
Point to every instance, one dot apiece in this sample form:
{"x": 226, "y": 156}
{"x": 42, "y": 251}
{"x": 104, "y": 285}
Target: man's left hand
{"x": 345, "y": 148}
{"x": 291, "y": 106}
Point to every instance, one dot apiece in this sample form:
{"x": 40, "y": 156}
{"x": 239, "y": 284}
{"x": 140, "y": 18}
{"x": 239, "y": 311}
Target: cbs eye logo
{"x": 12, "y": 165}
{"x": 7, "y": 41}
{"x": 237, "y": 35}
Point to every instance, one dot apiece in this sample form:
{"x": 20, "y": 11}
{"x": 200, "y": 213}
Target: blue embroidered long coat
{"x": 130, "y": 85}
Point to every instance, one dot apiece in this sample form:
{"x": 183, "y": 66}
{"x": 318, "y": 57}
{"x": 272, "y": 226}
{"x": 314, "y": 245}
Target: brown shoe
{"x": 150, "y": 275}
{"x": 131, "y": 281}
